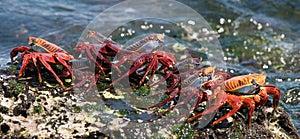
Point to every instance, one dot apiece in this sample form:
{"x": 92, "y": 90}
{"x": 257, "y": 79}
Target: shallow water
{"x": 256, "y": 36}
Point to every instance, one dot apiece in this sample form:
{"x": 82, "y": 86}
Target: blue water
{"x": 271, "y": 29}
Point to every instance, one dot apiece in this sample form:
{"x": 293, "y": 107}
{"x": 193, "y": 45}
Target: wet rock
{"x": 41, "y": 112}
{"x": 292, "y": 96}
{"x": 264, "y": 126}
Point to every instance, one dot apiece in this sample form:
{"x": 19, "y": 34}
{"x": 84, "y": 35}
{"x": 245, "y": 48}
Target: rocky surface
{"x": 46, "y": 112}
{"x": 264, "y": 126}
{"x": 49, "y": 112}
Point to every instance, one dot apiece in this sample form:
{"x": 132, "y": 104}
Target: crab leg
{"x": 44, "y": 62}
{"x": 236, "y": 104}
{"x": 165, "y": 78}
{"x": 175, "y": 83}
{"x": 220, "y": 101}
{"x": 251, "y": 104}
{"x": 83, "y": 77}
{"x": 171, "y": 96}
{"x": 201, "y": 96}
{"x": 38, "y": 68}
{"x": 99, "y": 55}
{"x": 152, "y": 66}
{"x": 88, "y": 52}
{"x": 135, "y": 48}
{"x": 136, "y": 66}
{"x": 25, "y": 62}
{"x": 60, "y": 57}
{"x": 97, "y": 36}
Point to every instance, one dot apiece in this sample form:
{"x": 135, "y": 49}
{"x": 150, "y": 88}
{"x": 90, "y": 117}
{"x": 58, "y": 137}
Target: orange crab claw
{"x": 275, "y": 92}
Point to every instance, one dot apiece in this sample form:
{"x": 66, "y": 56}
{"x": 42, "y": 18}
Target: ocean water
{"x": 259, "y": 35}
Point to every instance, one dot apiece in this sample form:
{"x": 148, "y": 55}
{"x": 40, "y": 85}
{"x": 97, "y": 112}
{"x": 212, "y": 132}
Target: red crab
{"x": 196, "y": 86}
{"x": 108, "y": 48}
{"x": 247, "y": 90}
{"x": 167, "y": 60}
{"x": 55, "y": 55}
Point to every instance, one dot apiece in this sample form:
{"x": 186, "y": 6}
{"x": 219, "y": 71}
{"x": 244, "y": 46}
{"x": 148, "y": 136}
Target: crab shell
{"x": 244, "y": 84}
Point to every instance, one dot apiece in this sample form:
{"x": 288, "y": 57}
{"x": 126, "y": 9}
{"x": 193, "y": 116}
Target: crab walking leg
{"x": 152, "y": 66}
{"x": 182, "y": 102}
{"x": 95, "y": 35}
{"x": 89, "y": 48}
{"x": 161, "y": 81}
{"x": 83, "y": 77}
{"x": 220, "y": 101}
{"x": 39, "y": 69}
{"x": 45, "y": 63}
{"x": 135, "y": 49}
{"x": 88, "y": 52}
{"x": 171, "y": 96}
{"x": 251, "y": 104}
{"x": 99, "y": 55}
{"x": 128, "y": 73}
{"x": 60, "y": 57}
{"x": 166, "y": 61}
{"x": 189, "y": 97}
{"x": 235, "y": 102}
{"x": 25, "y": 62}
{"x": 201, "y": 97}
{"x": 175, "y": 83}
{"x": 155, "y": 67}
{"x": 100, "y": 38}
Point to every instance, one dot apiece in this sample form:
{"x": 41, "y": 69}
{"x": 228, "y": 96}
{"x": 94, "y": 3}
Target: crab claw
{"x": 16, "y": 50}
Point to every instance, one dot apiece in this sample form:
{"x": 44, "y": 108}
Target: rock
{"x": 46, "y": 112}
{"x": 41, "y": 112}
{"x": 4, "y": 128}
{"x": 263, "y": 126}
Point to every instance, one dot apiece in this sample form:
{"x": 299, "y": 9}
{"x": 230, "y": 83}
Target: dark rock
{"x": 1, "y": 118}
{"x": 96, "y": 135}
{"x": 20, "y": 110}
{"x": 7, "y": 92}
{"x": 4, "y": 128}
{"x": 4, "y": 109}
